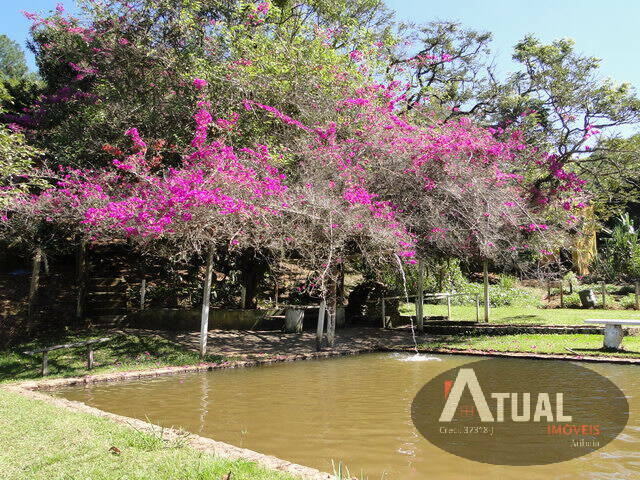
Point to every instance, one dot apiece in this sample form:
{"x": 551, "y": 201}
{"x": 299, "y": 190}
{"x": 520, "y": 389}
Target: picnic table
{"x": 613, "y": 332}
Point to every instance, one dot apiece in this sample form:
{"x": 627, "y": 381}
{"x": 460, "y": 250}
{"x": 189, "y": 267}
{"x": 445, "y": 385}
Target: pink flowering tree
{"x": 396, "y": 189}
{"x": 369, "y": 183}
{"x": 218, "y": 196}
{"x": 123, "y": 63}
{"x": 461, "y": 189}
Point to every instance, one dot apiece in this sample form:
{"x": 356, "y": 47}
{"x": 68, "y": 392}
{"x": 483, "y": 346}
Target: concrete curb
{"x": 511, "y": 329}
{"x": 206, "y": 445}
{"x": 46, "y": 384}
{"x": 528, "y": 355}
{"x": 30, "y": 389}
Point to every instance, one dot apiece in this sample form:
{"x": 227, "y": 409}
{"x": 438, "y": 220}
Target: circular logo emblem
{"x": 520, "y": 412}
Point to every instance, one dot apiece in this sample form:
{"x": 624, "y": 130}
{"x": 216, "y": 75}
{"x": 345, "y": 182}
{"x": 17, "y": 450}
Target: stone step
{"x": 106, "y": 283}
{"x": 97, "y": 305}
{"x": 454, "y": 327}
{"x": 101, "y": 320}
{"x": 106, "y": 294}
{"x": 101, "y": 312}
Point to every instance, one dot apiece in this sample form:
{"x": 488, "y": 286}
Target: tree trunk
{"x": 243, "y": 297}
{"x": 81, "y": 280}
{"x": 35, "y": 281}
{"x": 320, "y": 328}
{"x": 206, "y": 299}
{"x": 253, "y": 268}
{"x": 143, "y": 293}
{"x": 340, "y": 286}
{"x": 331, "y": 312}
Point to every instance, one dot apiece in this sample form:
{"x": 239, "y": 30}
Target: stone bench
{"x": 613, "y": 330}
{"x": 88, "y": 343}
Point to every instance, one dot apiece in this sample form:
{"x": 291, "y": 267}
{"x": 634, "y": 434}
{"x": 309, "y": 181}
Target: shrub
{"x": 628, "y": 302}
{"x": 508, "y": 281}
{"x": 500, "y": 296}
{"x": 572, "y": 301}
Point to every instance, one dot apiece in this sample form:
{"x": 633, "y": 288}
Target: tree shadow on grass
{"x": 524, "y": 319}
{"x": 124, "y": 350}
{"x": 606, "y": 351}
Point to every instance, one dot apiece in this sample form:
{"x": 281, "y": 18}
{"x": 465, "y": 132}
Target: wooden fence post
{"x": 485, "y": 276}
{"x": 384, "y": 314}
{"x": 448, "y": 307}
{"x": 89, "y": 357}
{"x": 206, "y": 299}
{"x": 477, "y": 307}
{"x": 637, "y": 295}
{"x": 604, "y": 295}
{"x": 45, "y": 363}
{"x": 561, "y": 295}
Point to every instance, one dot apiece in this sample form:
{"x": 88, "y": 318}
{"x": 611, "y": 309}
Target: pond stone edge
{"x": 30, "y": 389}
{"x": 526, "y": 355}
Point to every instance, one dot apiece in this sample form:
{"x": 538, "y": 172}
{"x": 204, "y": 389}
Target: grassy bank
{"x": 526, "y": 315}
{"x": 40, "y": 441}
{"x": 579, "y": 344}
{"x": 126, "y": 351}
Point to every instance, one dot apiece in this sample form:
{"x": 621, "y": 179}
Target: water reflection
{"x": 353, "y": 409}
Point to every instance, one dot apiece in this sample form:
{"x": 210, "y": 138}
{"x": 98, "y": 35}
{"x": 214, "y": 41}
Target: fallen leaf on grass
{"x": 115, "y": 450}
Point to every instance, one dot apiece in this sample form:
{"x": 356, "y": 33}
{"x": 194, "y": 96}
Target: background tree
{"x": 619, "y": 256}
{"x": 13, "y": 63}
{"x": 562, "y": 98}
{"x": 612, "y": 173}
{"x": 129, "y": 64}
{"x": 445, "y": 66}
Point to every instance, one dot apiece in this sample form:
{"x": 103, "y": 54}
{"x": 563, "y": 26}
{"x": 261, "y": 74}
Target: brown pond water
{"x": 350, "y": 409}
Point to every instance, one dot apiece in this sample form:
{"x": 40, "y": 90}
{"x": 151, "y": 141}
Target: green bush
{"x": 508, "y": 281}
{"x": 628, "y": 302}
{"x": 499, "y": 295}
{"x": 572, "y": 301}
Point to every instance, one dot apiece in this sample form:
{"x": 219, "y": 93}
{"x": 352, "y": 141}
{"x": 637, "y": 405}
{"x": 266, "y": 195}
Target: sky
{"x": 603, "y": 29}
{"x": 607, "y": 30}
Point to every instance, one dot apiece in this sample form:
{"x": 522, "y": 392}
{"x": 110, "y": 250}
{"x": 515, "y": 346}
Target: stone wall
{"x": 189, "y": 319}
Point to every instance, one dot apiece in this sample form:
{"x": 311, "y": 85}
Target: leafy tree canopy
{"x": 12, "y": 60}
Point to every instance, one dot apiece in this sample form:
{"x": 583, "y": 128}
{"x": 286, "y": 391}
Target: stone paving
{"x": 259, "y": 343}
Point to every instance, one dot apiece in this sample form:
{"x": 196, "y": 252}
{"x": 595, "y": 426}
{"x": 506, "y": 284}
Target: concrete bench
{"x": 90, "y": 344}
{"x": 613, "y": 330}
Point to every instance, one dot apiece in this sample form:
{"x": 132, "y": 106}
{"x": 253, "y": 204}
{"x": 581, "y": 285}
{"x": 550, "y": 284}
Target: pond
{"x": 355, "y": 409}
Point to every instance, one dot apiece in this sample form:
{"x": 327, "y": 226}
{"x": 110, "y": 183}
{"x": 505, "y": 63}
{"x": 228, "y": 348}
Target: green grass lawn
{"x": 41, "y": 441}
{"x": 126, "y": 351}
{"x": 578, "y": 344}
{"x": 525, "y": 315}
